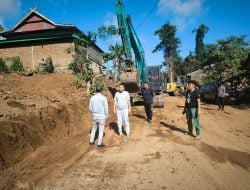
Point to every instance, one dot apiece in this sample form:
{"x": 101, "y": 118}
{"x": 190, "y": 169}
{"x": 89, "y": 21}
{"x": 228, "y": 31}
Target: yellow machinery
{"x": 174, "y": 89}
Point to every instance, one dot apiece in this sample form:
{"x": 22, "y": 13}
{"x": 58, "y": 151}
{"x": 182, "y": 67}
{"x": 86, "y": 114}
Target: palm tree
{"x": 200, "y": 34}
{"x": 169, "y": 44}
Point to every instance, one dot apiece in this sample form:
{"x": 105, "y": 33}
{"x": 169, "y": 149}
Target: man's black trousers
{"x": 149, "y": 111}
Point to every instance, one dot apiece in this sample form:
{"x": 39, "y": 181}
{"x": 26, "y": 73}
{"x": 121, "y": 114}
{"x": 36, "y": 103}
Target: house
{"x": 197, "y": 75}
{"x": 35, "y": 38}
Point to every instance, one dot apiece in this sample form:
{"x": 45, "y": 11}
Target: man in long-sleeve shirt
{"x": 98, "y": 106}
{"x": 148, "y": 95}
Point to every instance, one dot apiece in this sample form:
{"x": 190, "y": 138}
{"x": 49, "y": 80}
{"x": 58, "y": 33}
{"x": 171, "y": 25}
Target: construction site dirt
{"x": 44, "y": 142}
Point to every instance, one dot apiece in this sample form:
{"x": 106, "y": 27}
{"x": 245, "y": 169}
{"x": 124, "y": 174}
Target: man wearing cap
{"x": 98, "y": 106}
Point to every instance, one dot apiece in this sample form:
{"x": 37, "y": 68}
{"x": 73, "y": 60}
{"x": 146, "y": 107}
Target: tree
{"x": 116, "y": 51}
{"x": 169, "y": 44}
{"x": 91, "y": 36}
{"x": 116, "y": 54}
{"x": 179, "y": 67}
{"x": 80, "y": 64}
{"x": 200, "y": 34}
{"x": 190, "y": 62}
{"x": 223, "y": 61}
{"x": 105, "y": 32}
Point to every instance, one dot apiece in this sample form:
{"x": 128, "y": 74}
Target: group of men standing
{"x": 98, "y": 106}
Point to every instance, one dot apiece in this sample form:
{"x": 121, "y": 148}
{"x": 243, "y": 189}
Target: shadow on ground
{"x": 172, "y": 127}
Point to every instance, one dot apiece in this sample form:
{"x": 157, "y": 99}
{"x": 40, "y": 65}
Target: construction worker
{"x": 148, "y": 95}
{"x": 122, "y": 108}
{"x": 193, "y": 109}
{"x": 98, "y": 106}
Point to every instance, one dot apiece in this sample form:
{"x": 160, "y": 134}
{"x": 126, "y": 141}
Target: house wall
{"x": 96, "y": 59}
{"x": 32, "y": 54}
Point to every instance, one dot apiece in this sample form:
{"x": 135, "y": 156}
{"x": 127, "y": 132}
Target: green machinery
{"x": 135, "y": 72}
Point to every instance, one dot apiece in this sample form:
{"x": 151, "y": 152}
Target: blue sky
{"x": 223, "y": 17}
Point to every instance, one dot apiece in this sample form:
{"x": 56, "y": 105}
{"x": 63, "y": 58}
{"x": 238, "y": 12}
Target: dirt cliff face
{"x": 38, "y": 110}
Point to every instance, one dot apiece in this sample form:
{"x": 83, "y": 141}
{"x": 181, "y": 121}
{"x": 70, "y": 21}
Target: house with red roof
{"x": 35, "y": 38}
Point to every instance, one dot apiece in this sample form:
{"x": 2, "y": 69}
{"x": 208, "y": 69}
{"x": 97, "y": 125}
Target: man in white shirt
{"x": 122, "y": 107}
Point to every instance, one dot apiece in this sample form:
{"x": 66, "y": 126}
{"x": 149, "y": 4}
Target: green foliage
{"x": 80, "y": 64}
{"x": 16, "y": 64}
{"x": 179, "y": 66}
{"x": 200, "y": 34}
{"x": 3, "y": 66}
{"x": 86, "y": 75}
{"x": 116, "y": 53}
{"x": 91, "y": 36}
{"x": 48, "y": 68}
{"x": 99, "y": 82}
{"x": 105, "y": 32}
{"x": 191, "y": 63}
{"x": 223, "y": 61}
{"x": 169, "y": 44}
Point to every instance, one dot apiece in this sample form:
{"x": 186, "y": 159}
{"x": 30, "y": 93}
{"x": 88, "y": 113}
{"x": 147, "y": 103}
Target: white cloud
{"x": 9, "y": 9}
{"x": 180, "y": 7}
{"x": 182, "y": 12}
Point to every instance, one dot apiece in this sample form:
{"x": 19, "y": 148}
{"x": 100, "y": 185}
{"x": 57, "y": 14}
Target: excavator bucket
{"x": 131, "y": 81}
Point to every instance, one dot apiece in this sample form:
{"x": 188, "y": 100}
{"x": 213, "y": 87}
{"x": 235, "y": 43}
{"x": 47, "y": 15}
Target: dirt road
{"x": 157, "y": 156}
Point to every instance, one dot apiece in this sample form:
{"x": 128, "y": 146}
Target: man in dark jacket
{"x": 148, "y": 95}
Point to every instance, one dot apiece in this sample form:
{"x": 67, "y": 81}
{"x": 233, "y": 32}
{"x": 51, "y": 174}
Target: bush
{"x": 16, "y": 64}
{"x": 48, "y": 68}
{"x": 3, "y": 66}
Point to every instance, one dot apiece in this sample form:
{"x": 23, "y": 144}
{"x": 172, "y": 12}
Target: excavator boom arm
{"x": 131, "y": 42}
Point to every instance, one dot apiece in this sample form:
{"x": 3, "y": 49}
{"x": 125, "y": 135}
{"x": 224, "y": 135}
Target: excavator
{"x": 134, "y": 73}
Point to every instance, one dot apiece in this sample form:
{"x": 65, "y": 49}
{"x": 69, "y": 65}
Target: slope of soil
{"x": 38, "y": 112}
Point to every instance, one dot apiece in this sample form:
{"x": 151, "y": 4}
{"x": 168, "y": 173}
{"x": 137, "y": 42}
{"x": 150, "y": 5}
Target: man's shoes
{"x": 149, "y": 121}
{"x": 188, "y": 133}
{"x": 219, "y": 109}
{"x": 198, "y": 137}
{"x": 101, "y": 146}
{"x": 91, "y": 143}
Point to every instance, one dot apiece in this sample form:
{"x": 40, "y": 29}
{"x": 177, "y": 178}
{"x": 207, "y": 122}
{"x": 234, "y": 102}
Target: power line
{"x": 149, "y": 13}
